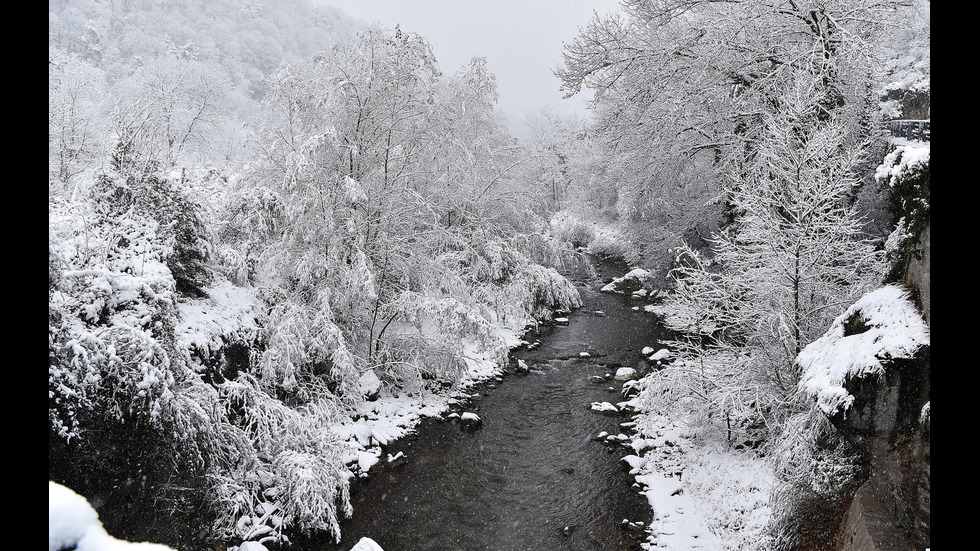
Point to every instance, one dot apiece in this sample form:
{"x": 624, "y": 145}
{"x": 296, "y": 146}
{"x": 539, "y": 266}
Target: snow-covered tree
{"x": 76, "y": 104}
{"x": 792, "y": 259}
{"x": 681, "y": 87}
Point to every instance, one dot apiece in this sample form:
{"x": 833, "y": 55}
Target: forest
{"x": 278, "y": 237}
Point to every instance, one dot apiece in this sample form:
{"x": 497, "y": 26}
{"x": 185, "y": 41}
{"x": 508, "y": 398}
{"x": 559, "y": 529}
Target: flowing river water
{"x": 533, "y": 477}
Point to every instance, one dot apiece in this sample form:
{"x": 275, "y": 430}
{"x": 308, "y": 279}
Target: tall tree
{"x": 792, "y": 259}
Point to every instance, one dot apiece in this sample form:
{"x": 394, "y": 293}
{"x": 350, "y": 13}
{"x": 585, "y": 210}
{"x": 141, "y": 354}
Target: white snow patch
{"x": 369, "y": 382}
{"x": 366, "y": 544}
{"x": 72, "y": 522}
{"x": 892, "y": 168}
{"x": 227, "y": 310}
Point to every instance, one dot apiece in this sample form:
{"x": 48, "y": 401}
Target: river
{"x": 533, "y": 477}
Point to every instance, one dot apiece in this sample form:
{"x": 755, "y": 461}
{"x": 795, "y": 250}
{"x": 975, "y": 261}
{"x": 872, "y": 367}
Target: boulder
{"x": 625, "y": 374}
{"x": 605, "y": 408}
{"x": 628, "y": 284}
{"x": 470, "y": 422}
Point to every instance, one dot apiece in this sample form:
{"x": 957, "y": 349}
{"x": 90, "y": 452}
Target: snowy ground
{"x": 702, "y": 498}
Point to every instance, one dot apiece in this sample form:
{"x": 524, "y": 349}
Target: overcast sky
{"x": 521, "y": 39}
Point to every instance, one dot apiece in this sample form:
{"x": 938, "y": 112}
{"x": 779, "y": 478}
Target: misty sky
{"x": 521, "y": 39}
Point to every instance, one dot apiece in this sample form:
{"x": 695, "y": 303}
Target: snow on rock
{"x": 366, "y": 544}
{"x": 369, "y": 383}
{"x": 625, "y": 374}
{"x": 635, "y": 462}
{"x": 884, "y": 324}
{"x": 646, "y": 351}
{"x": 74, "y": 524}
{"x": 629, "y": 283}
{"x": 396, "y": 457}
{"x": 604, "y": 407}
{"x": 470, "y": 421}
{"x": 661, "y": 354}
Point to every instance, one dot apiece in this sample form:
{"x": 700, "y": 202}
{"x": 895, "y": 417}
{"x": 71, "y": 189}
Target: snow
{"x": 227, "y": 310}
{"x": 701, "y": 498}
{"x": 73, "y": 523}
{"x": 636, "y": 274}
{"x": 369, "y": 382}
{"x": 398, "y": 455}
{"x": 895, "y": 329}
{"x": 625, "y": 373}
{"x": 912, "y": 154}
{"x": 661, "y": 354}
{"x": 603, "y": 406}
{"x": 366, "y": 544}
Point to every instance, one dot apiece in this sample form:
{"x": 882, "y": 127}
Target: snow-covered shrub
{"x": 174, "y": 214}
{"x": 297, "y": 467}
{"x": 305, "y": 353}
{"x": 432, "y": 334}
{"x": 906, "y": 171}
{"x": 311, "y": 485}
{"x": 818, "y": 473}
{"x": 572, "y": 230}
{"x": 536, "y": 291}
{"x": 716, "y": 393}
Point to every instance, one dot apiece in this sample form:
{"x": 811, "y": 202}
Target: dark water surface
{"x": 532, "y": 478}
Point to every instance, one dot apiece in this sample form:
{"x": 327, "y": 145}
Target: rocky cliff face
{"x": 889, "y": 421}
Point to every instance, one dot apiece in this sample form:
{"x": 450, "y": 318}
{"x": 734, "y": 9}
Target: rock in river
{"x": 470, "y": 421}
{"x": 625, "y": 374}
